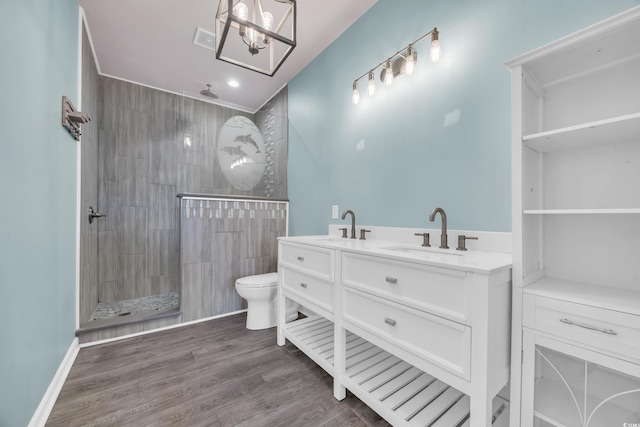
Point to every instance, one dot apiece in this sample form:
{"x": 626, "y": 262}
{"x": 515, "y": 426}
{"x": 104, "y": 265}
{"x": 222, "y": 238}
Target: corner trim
{"x": 51, "y": 395}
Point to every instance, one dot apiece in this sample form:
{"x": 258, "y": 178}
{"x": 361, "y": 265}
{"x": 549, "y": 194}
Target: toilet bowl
{"x": 260, "y": 292}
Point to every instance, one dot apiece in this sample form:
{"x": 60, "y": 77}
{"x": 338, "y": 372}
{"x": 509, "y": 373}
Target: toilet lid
{"x": 259, "y": 280}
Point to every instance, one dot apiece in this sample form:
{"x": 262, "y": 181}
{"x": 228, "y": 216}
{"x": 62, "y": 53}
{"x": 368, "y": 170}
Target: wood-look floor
{"x": 215, "y": 373}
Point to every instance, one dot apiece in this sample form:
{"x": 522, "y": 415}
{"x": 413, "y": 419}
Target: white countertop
{"x": 475, "y": 261}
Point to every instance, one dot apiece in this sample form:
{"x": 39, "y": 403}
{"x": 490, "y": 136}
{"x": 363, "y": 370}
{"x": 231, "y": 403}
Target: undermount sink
{"x": 422, "y": 251}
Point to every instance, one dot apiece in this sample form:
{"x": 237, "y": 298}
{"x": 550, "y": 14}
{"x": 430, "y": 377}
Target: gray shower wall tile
{"x": 159, "y": 252}
{"x": 162, "y": 284}
{"x": 190, "y": 302}
{"x": 163, "y": 162}
{"x": 108, "y": 155}
{"x": 194, "y": 241}
{"x": 132, "y": 276}
{"x": 109, "y": 204}
{"x": 188, "y": 179}
{"x": 207, "y": 300}
{"x": 108, "y": 252}
{"x": 227, "y": 252}
{"x": 107, "y": 291}
{"x": 207, "y": 165}
{"x": 162, "y": 207}
{"x": 133, "y": 132}
{"x": 133, "y": 230}
{"x": 242, "y": 240}
{"x": 164, "y": 115}
{"x": 133, "y": 177}
{"x": 191, "y": 156}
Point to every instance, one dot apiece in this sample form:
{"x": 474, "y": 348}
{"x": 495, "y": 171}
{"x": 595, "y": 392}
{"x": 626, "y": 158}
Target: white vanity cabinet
{"x": 307, "y": 275}
{"x": 576, "y": 222}
{"x": 421, "y": 343}
{"x": 451, "y": 324}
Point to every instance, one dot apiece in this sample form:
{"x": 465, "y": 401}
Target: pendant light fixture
{"x": 402, "y": 62}
{"x": 256, "y": 34}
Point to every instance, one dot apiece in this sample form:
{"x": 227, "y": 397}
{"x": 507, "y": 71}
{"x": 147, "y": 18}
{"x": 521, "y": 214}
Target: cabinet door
{"x": 577, "y": 388}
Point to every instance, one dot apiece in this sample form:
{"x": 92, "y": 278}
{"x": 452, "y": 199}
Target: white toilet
{"x": 260, "y": 292}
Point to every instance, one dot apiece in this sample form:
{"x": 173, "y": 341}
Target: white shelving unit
{"x": 576, "y": 210}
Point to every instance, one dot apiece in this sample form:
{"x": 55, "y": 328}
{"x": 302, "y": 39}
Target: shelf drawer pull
{"x": 593, "y": 328}
{"x": 389, "y": 321}
{"x": 300, "y": 258}
{"x": 391, "y": 280}
{"x": 304, "y": 285}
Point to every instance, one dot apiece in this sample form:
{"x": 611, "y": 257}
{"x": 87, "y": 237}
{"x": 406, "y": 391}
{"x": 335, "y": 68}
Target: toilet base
{"x": 262, "y": 314}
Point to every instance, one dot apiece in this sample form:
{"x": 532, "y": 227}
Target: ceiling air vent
{"x": 205, "y": 39}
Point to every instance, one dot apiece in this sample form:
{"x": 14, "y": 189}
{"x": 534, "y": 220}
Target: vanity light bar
{"x": 401, "y": 62}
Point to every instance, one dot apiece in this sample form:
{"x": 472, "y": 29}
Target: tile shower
{"x": 143, "y": 147}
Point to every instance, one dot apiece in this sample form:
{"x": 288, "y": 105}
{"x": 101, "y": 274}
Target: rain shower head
{"x": 208, "y": 92}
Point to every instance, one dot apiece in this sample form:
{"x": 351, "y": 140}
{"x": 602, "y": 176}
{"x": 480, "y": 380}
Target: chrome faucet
{"x": 443, "y": 216}
{"x": 353, "y": 222}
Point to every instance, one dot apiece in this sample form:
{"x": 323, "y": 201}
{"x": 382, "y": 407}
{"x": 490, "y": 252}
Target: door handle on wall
{"x": 93, "y": 214}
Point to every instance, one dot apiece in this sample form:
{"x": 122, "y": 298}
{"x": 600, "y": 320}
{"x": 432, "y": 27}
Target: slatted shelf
{"x": 398, "y": 391}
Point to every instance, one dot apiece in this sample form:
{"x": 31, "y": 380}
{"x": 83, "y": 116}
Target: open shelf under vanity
{"x": 400, "y": 392}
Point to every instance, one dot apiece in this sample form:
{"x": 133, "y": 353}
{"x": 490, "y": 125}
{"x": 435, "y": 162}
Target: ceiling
{"x": 150, "y": 42}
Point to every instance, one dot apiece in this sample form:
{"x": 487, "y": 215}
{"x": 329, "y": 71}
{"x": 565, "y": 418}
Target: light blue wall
{"x": 39, "y": 48}
{"x": 411, "y": 162}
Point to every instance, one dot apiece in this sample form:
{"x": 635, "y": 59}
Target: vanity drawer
{"x": 310, "y": 259}
{"x": 436, "y": 290}
{"x": 439, "y": 341}
{"x": 313, "y": 290}
{"x": 607, "y": 331}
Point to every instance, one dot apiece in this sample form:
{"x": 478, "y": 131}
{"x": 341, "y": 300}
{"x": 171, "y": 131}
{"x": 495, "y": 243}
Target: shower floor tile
{"x": 112, "y": 309}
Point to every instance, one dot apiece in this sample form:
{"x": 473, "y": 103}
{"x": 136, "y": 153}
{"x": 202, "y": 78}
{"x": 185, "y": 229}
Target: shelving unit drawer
{"x": 310, "y": 259}
{"x": 313, "y": 290}
{"x": 606, "y": 331}
{"x": 440, "y": 341}
{"x": 436, "y": 290}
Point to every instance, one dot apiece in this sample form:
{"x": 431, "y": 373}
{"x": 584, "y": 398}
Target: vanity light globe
{"x": 388, "y": 74}
{"x": 356, "y": 96}
{"x": 434, "y": 56}
{"x": 371, "y": 88}
{"x": 410, "y": 61}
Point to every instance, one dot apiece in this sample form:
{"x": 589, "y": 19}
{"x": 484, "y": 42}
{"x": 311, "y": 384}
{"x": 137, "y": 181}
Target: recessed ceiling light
{"x": 233, "y": 83}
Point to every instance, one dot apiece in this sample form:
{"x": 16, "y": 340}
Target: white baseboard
{"x": 49, "y": 399}
{"x": 164, "y": 328}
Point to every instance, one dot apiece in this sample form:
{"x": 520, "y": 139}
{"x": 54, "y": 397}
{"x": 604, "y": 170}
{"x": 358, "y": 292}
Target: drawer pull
{"x": 304, "y": 285}
{"x": 389, "y": 321}
{"x": 593, "y": 328}
{"x": 391, "y": 280}
{"x": 300, "y": 258}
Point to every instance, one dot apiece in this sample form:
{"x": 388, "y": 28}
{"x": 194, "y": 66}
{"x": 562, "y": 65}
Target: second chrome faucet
{"x": 443, "y": 235}
{"x": 353, "y": 222}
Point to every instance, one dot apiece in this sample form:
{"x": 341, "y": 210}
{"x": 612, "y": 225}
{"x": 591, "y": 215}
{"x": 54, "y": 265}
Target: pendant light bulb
{"x": 241, "y": 11}
{"x": 410, "y": 61}
{"x": 267, "y": 19}
{"x": 356, "y": 94}
{"x": 371, "y": 89}
{"x": 435, "y": 46}
{"x": 388, "y": 74}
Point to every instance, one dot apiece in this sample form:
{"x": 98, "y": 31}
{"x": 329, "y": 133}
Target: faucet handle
{"x": 362, "y": 231}
{"x": 344, "y": 232}
{"x": 425, "y": 239}
{"x": 462, "y": 240}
